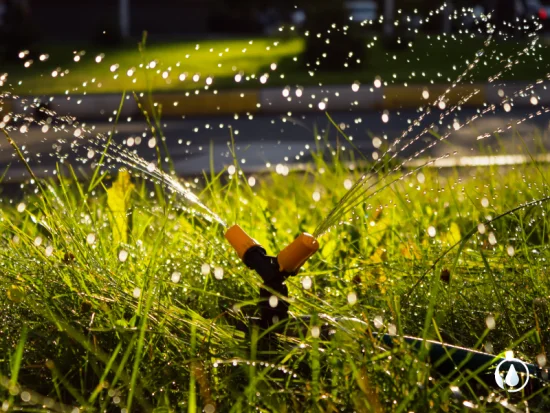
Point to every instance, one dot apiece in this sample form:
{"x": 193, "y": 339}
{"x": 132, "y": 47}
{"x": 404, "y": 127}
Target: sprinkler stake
{"x": 273, "y": 270}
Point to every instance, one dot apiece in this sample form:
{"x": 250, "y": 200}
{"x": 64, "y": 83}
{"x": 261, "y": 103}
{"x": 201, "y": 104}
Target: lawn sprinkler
{"x": 273, "y": 270}
{"x": 447, "y": 359}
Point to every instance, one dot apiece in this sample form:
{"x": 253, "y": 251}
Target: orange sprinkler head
{"x": 297, "y": 253}
{"x": 239, "y": 240}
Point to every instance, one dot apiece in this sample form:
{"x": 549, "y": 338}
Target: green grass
{"x": 111, "y": 299}
{"x": 85, "y": 329}
{"x": 435, "y": 59}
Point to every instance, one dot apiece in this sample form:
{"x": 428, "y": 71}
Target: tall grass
{"x": 82, "y": 327}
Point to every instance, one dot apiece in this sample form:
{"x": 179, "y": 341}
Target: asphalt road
{"x": 272, "y": 140}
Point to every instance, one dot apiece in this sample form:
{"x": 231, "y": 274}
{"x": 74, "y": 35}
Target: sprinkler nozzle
{"x": 273, "y": 270}
{"x": 297, "y": 253}
{"x": 290, "y": 259}
{"x": 240, "y": 240}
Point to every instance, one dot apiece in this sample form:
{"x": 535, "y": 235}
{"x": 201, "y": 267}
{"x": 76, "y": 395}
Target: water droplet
{"x": 49, "y": 251}
{"x": 392, "y": 329}
{"x": 352, "y": 298}
{"x": 484, "y": 202}
{"x": 316, "y": 196}
{"x": 90, "y": 239}
{"x": 218, "y": 273}
{"x": 431, "y": 231}
{"x": 176, "y": 276}
{"x": 541, "y": 360}
{"x": 205, "y": 269}
{"x": 492, "y": 238}
{"x": 490, "y": 322}
{"x": 355, "y": 86}
{"x": 123, "y": 255}
{"x": 378, "y": 321}
{"x": 251, "y": 181}
{"x": 273, "y": 301}
{"x": 231, "y": 169}
{"x": 481, "y": 228}
{"x": 21, "y": 207}
{"x": 137, "y": 292}
{"x": 307, "y": 282}
{"x": 37, "y": 241}
{"x": 510, "y": 250}
{"x": 315, "y": 332}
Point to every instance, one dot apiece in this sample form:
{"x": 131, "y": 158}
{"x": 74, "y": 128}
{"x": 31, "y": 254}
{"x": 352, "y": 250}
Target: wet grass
{"x": 147, "y": 319}
{"x": 424, "y": 60}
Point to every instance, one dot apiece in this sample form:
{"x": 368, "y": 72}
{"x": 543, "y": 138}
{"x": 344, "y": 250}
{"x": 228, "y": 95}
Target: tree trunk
{"x": 389, "y": 16}
{"x": 124, "y": 18}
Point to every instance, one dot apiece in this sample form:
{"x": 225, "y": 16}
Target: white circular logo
{"x": 512, "y": 377}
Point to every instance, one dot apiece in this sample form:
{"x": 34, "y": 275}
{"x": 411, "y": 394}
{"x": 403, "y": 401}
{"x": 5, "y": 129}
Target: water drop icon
{"x": 512, "y": 378}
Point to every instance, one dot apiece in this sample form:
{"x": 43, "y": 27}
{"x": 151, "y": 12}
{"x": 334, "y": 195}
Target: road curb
{"x": 395, "y": 97}
{"x": 290, "y": 99}
{"x": 189, "y": 104}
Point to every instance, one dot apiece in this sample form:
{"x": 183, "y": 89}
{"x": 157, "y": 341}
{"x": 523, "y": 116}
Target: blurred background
{"x": 269, "y": 69}
{"x": 111, "y": 22}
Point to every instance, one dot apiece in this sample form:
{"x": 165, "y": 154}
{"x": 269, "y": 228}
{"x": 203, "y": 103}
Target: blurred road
{"x": 264, "y": 140}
